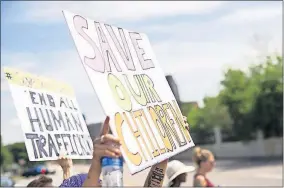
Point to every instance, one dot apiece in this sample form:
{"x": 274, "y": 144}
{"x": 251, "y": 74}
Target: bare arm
{"x": 67, "y": 173}
{"x": 101, "y": 149}
{"x": 93, "y": 175}
{"x": 156, "y": 175}
{"x": 66, "y": 165}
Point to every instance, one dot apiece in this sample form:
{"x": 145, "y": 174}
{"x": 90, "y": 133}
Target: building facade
{"x": 94, "y": 129}
{"x": 174, "y": 88}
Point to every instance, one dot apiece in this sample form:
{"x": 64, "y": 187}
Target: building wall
{"x": 272, "y": 147}
{"x": 173, "y": 87}
{"x": 94, "y": 129}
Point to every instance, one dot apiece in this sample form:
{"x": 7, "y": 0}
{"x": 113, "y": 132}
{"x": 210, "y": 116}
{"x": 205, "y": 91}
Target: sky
{"x": 193, "y": 41}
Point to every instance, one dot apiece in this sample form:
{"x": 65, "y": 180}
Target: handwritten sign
{"x": 50, "y": 117}
{"x": 132, "y": 90}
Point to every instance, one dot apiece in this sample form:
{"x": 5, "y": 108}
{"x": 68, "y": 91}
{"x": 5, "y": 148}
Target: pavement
{"x": 226, "y": 173}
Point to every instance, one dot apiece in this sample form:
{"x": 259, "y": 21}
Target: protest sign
{"x": 132, "y": 90}
{"x": 50, "y": 117}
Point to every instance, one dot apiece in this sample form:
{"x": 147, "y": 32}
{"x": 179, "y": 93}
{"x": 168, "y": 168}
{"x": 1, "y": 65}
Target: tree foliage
{"x": 18, "y": 150}
{"x": 255, "y": 99}
{"x": 203, "y": 120}
{"x": 213, "y": 114}
{"x": 6, "y": 157}
{"x": 249, "y": 101}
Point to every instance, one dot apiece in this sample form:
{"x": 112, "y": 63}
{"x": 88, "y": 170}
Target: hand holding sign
{"x": 106, "y": 145}
{"x": 65, "y": 162}
{"x": 133, "y": 91}
{"x": 51, "y": 120}
{"x": 186, "y": 125}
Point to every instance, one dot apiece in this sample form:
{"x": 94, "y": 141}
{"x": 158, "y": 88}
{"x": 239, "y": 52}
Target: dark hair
{"x": 42, "y": 181}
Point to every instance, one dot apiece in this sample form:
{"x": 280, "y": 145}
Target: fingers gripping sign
{"x": 186, "y": 123}
{"x": 107, "y": 145}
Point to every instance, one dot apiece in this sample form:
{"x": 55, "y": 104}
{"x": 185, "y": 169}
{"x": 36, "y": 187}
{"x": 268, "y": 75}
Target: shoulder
{"x": 199, "y": 181}
{"x": 200, "y": 178}
{"x": 74, "y": 181}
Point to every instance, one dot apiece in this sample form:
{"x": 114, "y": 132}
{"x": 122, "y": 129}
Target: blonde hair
{"x": 200, "y": 155}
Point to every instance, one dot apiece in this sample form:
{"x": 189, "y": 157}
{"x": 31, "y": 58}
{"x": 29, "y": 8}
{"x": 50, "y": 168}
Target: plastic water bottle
{"x": 112, "y": 172}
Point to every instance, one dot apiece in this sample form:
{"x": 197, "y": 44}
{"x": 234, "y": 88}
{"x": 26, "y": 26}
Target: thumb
{"x": 105, "y": 127}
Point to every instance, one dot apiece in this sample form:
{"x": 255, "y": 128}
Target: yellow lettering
{"x": 167, "y": 128}
{"x": 178, "y": 116}
{"x": 150, "y": 87}
{"x": 140, "y": 79}
{"x": 138, "y": 115}
{"x": 160, "y": 149}
{"x": 119, "y": 93}
{"x": 135, "y": 158}
{"x": 140, "y": 97}
{"x": 137, "y": 134}
{"x": 142, "y": 138}
{"x": 157, "y": 121}
{"x": 171, "y": 126}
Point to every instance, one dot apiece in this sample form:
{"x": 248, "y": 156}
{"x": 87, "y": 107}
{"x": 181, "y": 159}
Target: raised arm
{"x": 156, "y": 175}
{"x": 66, "y": 165}
{"x": 93, "y": 179}
{"x": 101, "y": 149}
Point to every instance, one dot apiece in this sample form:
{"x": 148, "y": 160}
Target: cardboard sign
{"x": 132, "y": 90}
{"x": 50, "y": 117}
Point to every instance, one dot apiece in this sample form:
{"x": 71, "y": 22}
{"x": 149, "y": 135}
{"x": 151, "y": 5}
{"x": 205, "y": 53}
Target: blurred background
{"x": 222, "y": 60}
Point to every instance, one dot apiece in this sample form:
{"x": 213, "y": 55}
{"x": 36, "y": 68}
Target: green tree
{"x": 254, "y": 98}
{"x": 186, "y": 107}
{"x": 237, "y": 95}
{"x": 6, "y": 157}
{"x": 203, "y": 120}
{"x": 213, "y": 114}
{"x": 18, "y": 151}
{"x": 267, "y": 113}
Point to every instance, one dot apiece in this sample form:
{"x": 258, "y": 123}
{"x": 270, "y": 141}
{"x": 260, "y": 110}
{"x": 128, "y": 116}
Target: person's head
{"x": 42, "y": 181}
{"x": 177, "y": 173}
{"x": 204, "y": 159}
